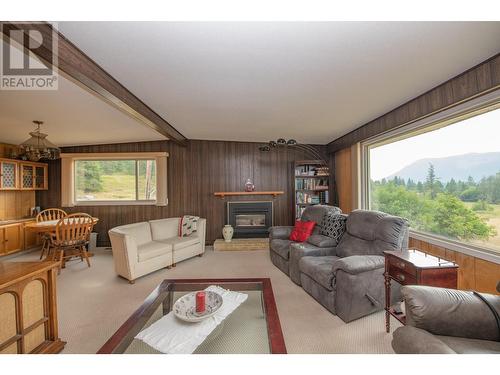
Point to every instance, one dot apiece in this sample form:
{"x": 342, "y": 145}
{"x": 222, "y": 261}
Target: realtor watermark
{"x": 28, "y": 56}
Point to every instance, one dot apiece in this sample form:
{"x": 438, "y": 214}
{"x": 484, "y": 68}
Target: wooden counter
{"x": 28, "y": 308}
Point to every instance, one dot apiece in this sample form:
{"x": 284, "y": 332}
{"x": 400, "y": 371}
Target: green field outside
{"x": 467, "y": 212}
{"x": 114, "y": 187}
{"x": 492, "y": 216}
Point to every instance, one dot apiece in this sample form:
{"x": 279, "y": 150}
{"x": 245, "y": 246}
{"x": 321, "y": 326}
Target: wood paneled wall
{"x": 343, "y": 177}
{"x": 473, "y": 273}
{"x": 16, "y": 204}
{"x": 7, "y": 150}
{"x": 478, "y": 80}
{"x": 195, "y": 172}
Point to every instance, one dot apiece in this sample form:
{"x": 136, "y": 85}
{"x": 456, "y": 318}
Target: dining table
{"x": 49, "y": 225}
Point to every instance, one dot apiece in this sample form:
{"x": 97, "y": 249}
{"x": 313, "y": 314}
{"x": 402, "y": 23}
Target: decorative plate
{"x": 185, "y": 307}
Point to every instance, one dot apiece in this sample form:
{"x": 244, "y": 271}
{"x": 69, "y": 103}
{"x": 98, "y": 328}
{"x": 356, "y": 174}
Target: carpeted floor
{"x": 94, "y": 302}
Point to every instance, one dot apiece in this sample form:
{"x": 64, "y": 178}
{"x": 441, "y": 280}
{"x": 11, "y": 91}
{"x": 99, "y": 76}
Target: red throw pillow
{"x": 302, "y": 230}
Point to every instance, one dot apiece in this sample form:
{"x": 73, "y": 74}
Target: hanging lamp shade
{"x": 39, "y": 147}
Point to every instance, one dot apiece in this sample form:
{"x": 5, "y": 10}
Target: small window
{"x": 115, "y": 180}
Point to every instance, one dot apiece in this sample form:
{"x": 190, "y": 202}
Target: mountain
{"x": 459, "y": 167}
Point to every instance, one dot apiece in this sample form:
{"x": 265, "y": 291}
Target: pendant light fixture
{"x": 38, "y": 146}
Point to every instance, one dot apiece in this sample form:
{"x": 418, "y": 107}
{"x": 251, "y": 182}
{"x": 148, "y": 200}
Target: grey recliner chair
{"x": 448, "y": 321}
{"x": 280, "y": 244}
{"x": 350, "y": 282}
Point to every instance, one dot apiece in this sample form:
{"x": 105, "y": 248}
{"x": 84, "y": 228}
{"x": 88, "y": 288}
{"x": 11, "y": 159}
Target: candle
{"x": 200, "y": 302}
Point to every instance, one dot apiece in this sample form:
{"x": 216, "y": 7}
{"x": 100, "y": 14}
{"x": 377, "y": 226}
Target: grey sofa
{"x": 349, "y": 281}
{"x": 448, "y": 321}
{"x": 316, "y": 245}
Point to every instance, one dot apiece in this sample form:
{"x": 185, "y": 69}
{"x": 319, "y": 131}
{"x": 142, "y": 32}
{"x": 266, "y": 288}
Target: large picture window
{"x": 114, "y": 179}
{"x": 444, "y": 179}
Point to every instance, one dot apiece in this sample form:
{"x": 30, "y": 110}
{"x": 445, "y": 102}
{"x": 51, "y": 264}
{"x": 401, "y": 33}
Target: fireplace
{"x": 250, "y": 219}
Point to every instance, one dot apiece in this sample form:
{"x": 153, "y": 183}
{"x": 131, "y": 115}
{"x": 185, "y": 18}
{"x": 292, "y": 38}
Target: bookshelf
{"x": 311, "y": 184}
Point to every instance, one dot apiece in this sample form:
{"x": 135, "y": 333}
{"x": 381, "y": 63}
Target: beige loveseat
{"x": 142, "y": 248}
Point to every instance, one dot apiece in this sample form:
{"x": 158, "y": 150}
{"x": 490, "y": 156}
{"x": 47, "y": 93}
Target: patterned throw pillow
{"x": 333, "y": 225}
{"x": 188, "y": 225}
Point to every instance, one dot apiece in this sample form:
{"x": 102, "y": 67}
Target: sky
{"x": 476, "y": 134}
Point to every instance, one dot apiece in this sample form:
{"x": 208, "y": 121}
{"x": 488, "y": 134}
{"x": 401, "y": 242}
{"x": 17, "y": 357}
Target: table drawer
{"x": 402, "y": 276}
{"x": 405, "y": 267}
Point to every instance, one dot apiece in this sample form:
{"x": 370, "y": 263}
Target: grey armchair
{"x": 448, "y": 321}
{"x": 349, "y": 281}
{"x": 280, "y": 246}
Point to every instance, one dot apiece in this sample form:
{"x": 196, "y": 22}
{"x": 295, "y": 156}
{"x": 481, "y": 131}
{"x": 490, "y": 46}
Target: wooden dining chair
{"x": 49, "y": 214}
{"x": 90, "y": 219}
{"x": 71, "y": 237}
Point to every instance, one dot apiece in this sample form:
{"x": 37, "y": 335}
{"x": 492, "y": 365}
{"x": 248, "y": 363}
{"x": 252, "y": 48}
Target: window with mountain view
{"x": 446, "y": 182}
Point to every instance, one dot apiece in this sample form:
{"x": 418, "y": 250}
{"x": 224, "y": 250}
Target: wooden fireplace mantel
{"x": 223, "y": 194}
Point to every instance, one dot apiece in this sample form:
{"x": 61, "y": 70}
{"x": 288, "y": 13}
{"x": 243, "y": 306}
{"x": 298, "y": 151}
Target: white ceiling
{"x": 259, "y": 81}
{"x": 71, "y": 115}
{"x": 249, "y": 81}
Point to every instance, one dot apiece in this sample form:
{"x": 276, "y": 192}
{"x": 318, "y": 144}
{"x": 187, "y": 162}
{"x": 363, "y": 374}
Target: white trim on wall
{"x": 356, "y": 175}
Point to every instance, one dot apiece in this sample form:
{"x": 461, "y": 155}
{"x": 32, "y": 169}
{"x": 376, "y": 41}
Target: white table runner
{"x": 171, "y": 335}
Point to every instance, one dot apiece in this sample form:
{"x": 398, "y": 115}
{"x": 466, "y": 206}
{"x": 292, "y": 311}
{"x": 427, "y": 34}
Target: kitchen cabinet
{"x": 34, "y": 176}
{"x": 11, "y": 238}
{"x": 23, "y": 175}
{"x": 31, "y": 239}
{"x": 9, "y": 175}
{"x": 15, "y": 237}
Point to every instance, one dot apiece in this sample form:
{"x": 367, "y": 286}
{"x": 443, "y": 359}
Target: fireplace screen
{"x": 253, "y": 220}
{"x": 250, "y": 219}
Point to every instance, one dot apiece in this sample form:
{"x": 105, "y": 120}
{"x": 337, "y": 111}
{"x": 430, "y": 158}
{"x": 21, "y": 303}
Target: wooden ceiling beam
{"x": 80, "y": 68}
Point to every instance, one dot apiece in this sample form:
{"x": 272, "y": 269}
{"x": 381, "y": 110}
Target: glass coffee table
{"x": 253, "y": 328}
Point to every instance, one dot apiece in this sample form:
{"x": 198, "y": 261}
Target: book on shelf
{"x": 305, "y": 170}
{"x": 323, "y": 197}
{"x": 314, "y": 198}
{"x": 311, "y": 170}
{"x": 299, "y": 210}
{"x": 322, "y": 171}
{"x": 311, "y": 185}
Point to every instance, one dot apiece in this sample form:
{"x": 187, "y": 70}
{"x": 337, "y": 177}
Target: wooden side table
{"x": 414, "y": 267}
